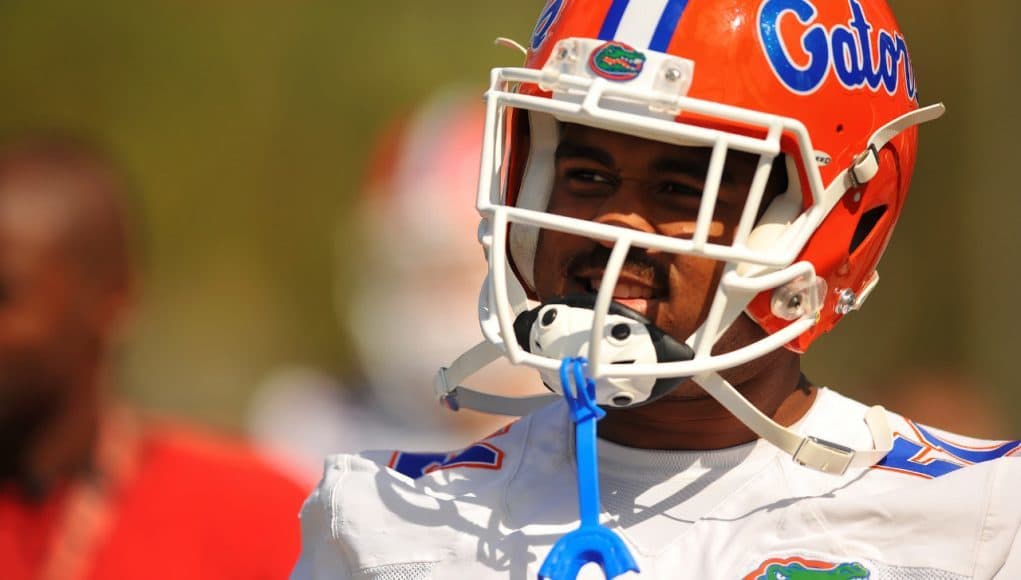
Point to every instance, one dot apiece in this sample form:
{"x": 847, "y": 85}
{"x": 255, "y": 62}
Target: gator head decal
{"x": 616, "y": 61}
{"x": 801, "y": 569}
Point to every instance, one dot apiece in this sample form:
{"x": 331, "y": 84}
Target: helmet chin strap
{"x": 451, "y": 394}
{"x": 814, "y": 452}
{"x": 810, "y": 451}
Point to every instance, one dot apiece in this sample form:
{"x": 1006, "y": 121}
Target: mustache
{"x": 638, "y": 262}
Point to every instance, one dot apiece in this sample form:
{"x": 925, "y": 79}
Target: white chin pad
{"x": 561, "y": 330}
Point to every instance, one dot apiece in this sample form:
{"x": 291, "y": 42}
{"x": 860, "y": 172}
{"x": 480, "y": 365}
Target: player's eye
{"x": 587, "y": 181}
{"x": 587, "y": 176}
{"x": 678, "y": 188}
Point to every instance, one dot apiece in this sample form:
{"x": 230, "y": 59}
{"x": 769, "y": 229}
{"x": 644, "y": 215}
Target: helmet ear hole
{"x": 778, "y": 184}
{"x": 865, "y": 226}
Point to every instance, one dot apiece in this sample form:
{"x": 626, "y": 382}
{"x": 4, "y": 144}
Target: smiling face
{"x": 648, "y": 186}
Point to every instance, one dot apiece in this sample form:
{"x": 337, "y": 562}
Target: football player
{"x": 677, "y": 199}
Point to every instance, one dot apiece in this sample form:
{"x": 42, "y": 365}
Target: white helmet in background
{"x": 410, "y": 309}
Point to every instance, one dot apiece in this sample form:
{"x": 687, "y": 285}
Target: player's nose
{"x": 625, "y": 209}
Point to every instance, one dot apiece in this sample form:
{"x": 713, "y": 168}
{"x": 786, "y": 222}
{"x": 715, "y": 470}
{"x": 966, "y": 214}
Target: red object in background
{"x": 171, "y": 502}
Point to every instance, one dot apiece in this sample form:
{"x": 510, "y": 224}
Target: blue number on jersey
{"x": 909, "y": 456}
{"x": 415, "y": 465}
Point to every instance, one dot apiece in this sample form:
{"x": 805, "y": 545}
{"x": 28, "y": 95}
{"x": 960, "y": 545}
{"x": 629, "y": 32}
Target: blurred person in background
{"x": 416, "y": 261}
{"x": 88, "y": 487}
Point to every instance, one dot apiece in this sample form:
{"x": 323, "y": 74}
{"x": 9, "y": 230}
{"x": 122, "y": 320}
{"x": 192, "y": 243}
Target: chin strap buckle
{"x": 866, "y": 165}
{"x": 445, "y": 393}
{"x": 826, "y": 456}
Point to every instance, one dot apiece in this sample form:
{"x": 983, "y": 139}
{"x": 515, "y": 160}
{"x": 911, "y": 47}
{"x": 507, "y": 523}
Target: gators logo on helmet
{"x": 616, "y": 61}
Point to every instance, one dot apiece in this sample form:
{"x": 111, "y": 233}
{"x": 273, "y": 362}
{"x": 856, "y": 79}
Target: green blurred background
{"x": 246, "y": 126}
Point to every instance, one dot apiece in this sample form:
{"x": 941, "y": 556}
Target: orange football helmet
{"x": 823, "y": 90}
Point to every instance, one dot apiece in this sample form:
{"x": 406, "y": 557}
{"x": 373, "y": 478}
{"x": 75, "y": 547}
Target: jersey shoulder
{"x": 918, "y": 450}
{"x": 487, "y": 457}
{"x": 929, "y": 452}
{"x": 939, "y": 503}
{"x": 382, "y": 511}
{"x": 491, "y": 458}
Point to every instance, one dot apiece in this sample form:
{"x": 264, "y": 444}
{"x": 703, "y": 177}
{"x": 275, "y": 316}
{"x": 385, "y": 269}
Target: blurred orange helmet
{"x": 420, "y": 226}
{"x": 427, "y": 160}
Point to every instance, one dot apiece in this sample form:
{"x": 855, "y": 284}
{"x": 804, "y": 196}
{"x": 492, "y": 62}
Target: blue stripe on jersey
{"x": 909, "y": 456}
{"x": 613, "y": 18}
{"x": 667, "y": 25}
{"x": 969, "y": 455}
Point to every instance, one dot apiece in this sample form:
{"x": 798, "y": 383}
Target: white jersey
{"x": 939, "y": 506}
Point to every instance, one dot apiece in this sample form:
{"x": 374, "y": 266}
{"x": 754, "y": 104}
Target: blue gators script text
{"x": 858, "y": 55}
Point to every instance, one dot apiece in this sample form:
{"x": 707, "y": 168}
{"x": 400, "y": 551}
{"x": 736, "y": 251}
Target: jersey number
{"x": 929, "y": 456}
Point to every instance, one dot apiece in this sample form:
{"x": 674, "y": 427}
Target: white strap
{"x": 866, "y": 165}
{"x": 510, "y": 43}
{"x": 495, "y": 404}
{"x": 449, "y": 391}
{"x": 810, "y": 451}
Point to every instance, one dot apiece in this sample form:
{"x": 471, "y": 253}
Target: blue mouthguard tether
{"x": 591, "y": 542}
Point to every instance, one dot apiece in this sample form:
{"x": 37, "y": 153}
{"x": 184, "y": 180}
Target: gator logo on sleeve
{"x": 616, "y": 61}
{"x": 481, "y": 455}
{"x": 801, "y": 569}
